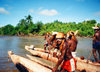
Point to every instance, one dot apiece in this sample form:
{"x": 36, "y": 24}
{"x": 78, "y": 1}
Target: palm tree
{"x": 28, "y": 19}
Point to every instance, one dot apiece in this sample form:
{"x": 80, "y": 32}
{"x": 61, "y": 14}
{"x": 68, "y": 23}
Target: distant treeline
{"x": 27, "y": 27}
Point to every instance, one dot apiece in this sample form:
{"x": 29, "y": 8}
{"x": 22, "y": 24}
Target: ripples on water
{"x": 17, "y": 44}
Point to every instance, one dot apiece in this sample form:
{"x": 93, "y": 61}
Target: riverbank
{"x": 40, "y": 36}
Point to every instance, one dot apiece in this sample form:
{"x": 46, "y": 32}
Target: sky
{"x": 12, "y": 11}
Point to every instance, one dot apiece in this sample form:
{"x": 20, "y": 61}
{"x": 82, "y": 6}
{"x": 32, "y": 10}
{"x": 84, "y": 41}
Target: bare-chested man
{"x": 72, "y": 42}
{"x": 66, "y": 57}
{"x": 96, "y": 42}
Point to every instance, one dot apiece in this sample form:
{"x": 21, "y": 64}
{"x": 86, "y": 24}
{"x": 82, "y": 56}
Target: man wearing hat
{"x": 96, "y": 42}
{"x": 72, "y": 42}
{"x": 65, "y": 56}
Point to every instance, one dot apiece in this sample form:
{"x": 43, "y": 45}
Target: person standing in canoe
{"x": 69, "y": 63}
{"x": 47, "y": 38}
{"x": 72, "y": 42}
{"x": 96, "y": 42}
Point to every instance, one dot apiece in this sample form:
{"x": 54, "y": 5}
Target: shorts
{"x": 96, "y": 45}
{"x": 74, "y": 54}
{"x": 69, "y": 65}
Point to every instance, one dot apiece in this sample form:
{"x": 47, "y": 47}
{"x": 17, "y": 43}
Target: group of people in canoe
{"x": 65, "y": 45}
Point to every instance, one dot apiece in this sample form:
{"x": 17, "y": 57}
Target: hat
{"x": 71, "y": 32}
{"x": 60, "y": 35}
{"x": 47, "y": 33}
{"x": 96, "y": 27}
{"x": 53, "y": 33}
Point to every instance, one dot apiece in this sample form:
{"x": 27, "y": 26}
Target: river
{"x": 17, "y": 44}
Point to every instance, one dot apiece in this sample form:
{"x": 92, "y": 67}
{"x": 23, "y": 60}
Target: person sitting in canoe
{"x": 54, "y": 44}
{"x": 72, "y": 42}
{"x": 69, "y": 63}
{"x": 50, "y": 42}
{"x": 96, "y": 42}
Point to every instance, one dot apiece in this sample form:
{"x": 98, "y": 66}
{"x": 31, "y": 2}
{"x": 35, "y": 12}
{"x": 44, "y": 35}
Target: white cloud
{"x": 97, "y": 14}
{"x": 48, "y": 12}
{"x": 31, "y": 10}
{"x": 4, "y": 11}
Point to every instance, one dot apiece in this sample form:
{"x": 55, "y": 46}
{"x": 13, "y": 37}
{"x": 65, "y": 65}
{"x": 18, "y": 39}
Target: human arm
{"x": 60, "y": 59}
{"x": 69, "y": 43}
{"x": 94, "y": 38}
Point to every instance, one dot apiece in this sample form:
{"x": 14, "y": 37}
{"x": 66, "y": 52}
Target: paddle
{"x": 89, "y": 56}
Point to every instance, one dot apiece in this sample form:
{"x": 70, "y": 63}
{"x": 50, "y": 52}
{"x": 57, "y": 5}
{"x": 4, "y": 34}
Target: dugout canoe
{"x": 38, "y": 61}
{"x": 43, "y": 55}
{"x": 81, "y": 64}
{"x": 37, "y": 49}
{"x": 26, "y": 65}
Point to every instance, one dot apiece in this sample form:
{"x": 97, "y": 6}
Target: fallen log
{"x": 81, "y": 64}
{"x": 26, "y": 65}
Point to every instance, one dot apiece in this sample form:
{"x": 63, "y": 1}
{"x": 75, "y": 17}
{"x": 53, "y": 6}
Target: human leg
{"x": 45, "y": 46}
{"x": 94, "y": 54}
{"x": 99, "y": 54}
{"x": 63, "y": 70}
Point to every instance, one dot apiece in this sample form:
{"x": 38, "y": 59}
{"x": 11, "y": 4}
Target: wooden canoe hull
{"x": 81, "y": 64}
{"x": 38, "y": 61}
{"x": 26, "y": 65}
{"x": 43, "y": 55}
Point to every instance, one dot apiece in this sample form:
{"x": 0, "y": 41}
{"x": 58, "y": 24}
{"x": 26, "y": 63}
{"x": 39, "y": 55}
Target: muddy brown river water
{"x": 16, "y": 44}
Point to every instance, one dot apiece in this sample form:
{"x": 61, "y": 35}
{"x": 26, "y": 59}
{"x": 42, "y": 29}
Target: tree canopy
{"x": 28, "y": 27}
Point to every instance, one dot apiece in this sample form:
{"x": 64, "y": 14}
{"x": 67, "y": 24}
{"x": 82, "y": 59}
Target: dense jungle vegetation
{"x": 28, "y": 27}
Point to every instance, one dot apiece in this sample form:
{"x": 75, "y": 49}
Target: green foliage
{"x": 7, "y": 30}
{"x": 27, "y": 27}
